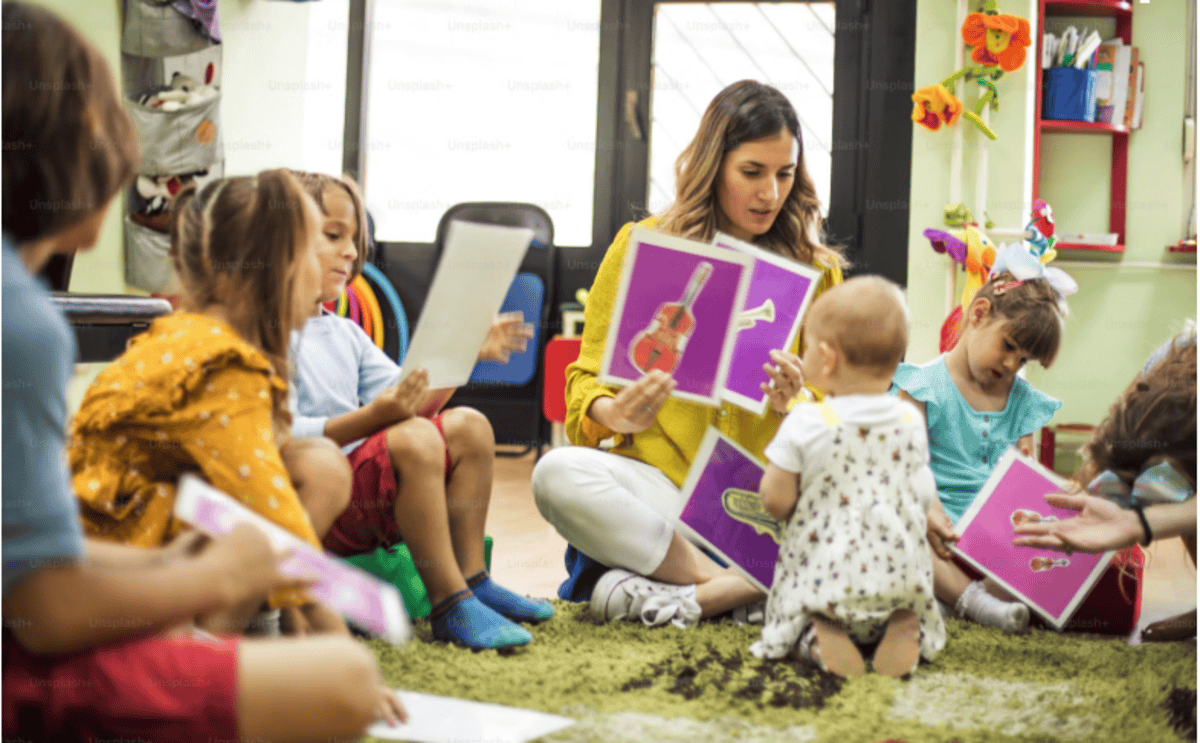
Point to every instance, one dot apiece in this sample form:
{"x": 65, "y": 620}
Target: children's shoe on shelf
{"x": 515, "y": 607}
{"x": 979, "y": 605}
{"x": 620, "y": 594}
{"x": 900, "y": 649}
{"x": 465, "y": 620}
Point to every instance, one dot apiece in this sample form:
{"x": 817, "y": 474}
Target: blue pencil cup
{"x": 1069, "y": 94}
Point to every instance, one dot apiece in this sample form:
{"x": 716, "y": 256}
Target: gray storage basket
{"x": 147, "y": 260}
{"x": 174, "y": 142}
{"x": 155, "y": 29}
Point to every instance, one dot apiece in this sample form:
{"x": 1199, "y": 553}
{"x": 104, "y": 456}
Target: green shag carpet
{"x": 627, "y": 683}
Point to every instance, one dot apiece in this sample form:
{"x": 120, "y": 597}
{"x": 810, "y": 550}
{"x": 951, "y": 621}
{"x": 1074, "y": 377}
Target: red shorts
{"x": 151, "y": 688}
{"x": 370, "y": 519}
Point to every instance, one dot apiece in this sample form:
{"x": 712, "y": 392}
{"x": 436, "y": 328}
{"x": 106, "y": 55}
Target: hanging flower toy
{"x": 999, "y": 42}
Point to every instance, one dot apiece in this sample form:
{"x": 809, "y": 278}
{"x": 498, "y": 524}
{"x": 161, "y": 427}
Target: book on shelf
{"x": 1106, "y": 55}
{"x": 1114, "y": 80}
{"x": 1139, "y": 96}
{"x": 1131, "y": 89}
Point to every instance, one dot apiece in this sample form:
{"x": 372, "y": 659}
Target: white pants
{"x": 616, "y": 510}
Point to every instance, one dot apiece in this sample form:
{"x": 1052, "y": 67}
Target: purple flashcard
{"x": 674, "y": 310}
{"x": 779, "y": 293}
{"x": 1051, "y": 583}
{"x": 354, "y": 593}
{"x": 723, "y": 512}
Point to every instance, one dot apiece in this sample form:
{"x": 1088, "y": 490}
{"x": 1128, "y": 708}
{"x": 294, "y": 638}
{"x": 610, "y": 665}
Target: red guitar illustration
{"x": 660, "y": 345}
{"x": 1038, "y": 564}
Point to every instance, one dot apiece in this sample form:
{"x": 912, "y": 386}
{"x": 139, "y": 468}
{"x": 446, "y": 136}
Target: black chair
{"x": 510, "y": 397}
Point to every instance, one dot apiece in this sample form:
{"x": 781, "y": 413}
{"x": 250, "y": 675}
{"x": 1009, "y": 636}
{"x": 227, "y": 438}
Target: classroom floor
{"x": 528, "y": 552}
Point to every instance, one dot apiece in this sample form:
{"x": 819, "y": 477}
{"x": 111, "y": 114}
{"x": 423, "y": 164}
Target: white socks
{"x": 979, "y": 605}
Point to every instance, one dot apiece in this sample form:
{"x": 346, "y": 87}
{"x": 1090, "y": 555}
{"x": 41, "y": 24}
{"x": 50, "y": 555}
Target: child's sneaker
{"x": 900, "y": 649}
{"x": 620, "y": 594}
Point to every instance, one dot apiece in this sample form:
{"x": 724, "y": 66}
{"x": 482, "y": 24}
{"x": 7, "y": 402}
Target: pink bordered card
{"x": 723, "y": 513}
{"x": 1051, "y": 583}
{"x": 675, "y": 310}
{"x": 778, "y": 294}
{"x": 358, "y": 596}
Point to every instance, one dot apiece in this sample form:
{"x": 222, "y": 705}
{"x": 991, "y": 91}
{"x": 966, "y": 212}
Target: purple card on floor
{"x": 1051, "y": 583}
{"x": 723, "y": 513}
{"x": 355, "y": 594}
{"x": 675, "y": 310}
{"x": 779, "y": 293}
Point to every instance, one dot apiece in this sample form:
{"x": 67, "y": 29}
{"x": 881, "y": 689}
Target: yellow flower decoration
{"x": 934, "y": 105}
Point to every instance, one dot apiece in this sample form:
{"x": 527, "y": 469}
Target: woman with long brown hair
{"x": 743, "y": 174}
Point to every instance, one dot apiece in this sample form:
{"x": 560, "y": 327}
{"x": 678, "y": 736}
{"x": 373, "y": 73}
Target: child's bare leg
{"x": 322, "y": 477}
{"x": 718, "y": 590}
{"x": 971, "y": 599}
{"x": 472, "y": 448}
{"x": 418, "y": 456}
{"x": 834, "y": 651}
{"x": 900, "y": 647}
{"x": 311, "y": 689}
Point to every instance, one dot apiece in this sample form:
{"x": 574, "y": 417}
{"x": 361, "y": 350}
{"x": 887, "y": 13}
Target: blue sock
{"x": 517, "y": 608}
{"x": 465, "y": 620}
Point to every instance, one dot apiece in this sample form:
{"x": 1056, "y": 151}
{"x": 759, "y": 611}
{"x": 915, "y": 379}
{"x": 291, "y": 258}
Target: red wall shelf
{"x": 1122, "y": 11}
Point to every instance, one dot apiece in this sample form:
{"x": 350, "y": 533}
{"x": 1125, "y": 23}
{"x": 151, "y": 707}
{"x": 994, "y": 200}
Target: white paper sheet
{"x": 436, "y": 719}
{"x": 477, "y": 266}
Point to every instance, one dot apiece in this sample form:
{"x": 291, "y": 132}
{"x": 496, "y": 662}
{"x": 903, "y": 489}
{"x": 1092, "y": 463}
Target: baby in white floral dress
{"x": 850, "y": 476}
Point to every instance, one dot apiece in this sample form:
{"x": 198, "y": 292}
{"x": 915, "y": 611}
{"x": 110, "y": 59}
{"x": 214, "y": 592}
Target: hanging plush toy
{"x": 999, "y": 43}
{"x": 1039, "y": 233}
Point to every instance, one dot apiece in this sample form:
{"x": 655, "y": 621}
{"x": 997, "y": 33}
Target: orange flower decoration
{"x": 933, "y": 106}
{"x": 998, "y": 39}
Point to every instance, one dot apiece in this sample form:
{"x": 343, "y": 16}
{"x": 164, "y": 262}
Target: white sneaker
{"x": 620, "y": 594}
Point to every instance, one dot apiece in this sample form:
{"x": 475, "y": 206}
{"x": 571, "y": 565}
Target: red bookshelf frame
{"x": 1122, "y": 11}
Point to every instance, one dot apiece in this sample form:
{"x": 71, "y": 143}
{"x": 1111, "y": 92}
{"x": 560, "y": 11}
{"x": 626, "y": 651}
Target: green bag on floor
{"x": 395, "y": 565}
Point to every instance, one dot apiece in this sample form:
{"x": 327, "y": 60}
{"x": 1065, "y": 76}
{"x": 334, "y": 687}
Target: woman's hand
{"x": 787, "y": 379}
{"x": 635, "y": 407}
{"x": 940, "y": 531}
{"x": 402, "y": 401}
{"x": 1101, "y": 525}
{"x": 509, "y": 334}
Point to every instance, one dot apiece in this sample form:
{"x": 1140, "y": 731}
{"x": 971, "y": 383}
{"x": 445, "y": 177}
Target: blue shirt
{"x": 964, "y": 443}
{"x": 337, "y": 370}
{"x": 41, "y": 517}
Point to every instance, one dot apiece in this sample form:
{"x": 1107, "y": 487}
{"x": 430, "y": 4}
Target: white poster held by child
{"x": 1049, "y": 582}
{"x": 357, "y": 595}
{"x": 478, "y": 263}
{"x": 435, "y": 719}
{"x": 779, "y": 292}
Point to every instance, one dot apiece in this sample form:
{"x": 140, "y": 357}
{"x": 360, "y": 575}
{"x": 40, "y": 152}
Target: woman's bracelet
{"x": 1141, "y": 514}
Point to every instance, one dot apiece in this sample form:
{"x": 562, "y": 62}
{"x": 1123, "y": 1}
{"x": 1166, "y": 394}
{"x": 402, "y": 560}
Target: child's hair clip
{"x": 1006, "y": 285}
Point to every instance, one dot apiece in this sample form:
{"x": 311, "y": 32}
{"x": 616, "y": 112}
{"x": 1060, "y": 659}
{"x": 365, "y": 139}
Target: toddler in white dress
{"x": 850, "y": 476}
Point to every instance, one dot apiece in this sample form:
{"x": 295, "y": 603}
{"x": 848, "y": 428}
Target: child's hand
{"x": 391, "y": 710}
{"x": 509, "y": 334}
{"x": 941, "y": 532}
{"x": 249, "y": 565}
{"x": 787, "y": 379}
{"x": 404, "y": 400}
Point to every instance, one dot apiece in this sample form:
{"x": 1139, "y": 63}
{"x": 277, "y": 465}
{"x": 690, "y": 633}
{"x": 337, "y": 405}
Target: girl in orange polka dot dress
{"x": 204, "y": 390}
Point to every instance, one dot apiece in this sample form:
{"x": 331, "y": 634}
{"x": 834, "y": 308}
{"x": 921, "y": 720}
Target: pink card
{"x": 355, "y": 594}
{"x": 1051, "y": 583}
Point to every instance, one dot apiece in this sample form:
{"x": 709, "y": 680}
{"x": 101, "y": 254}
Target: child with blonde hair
{"x": 421, "y": 475}
{"x": 977, "y": 406}
{"x": 850, "y": 477}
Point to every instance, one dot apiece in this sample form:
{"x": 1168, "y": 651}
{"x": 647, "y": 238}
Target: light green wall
{"x": 1120, "y": 313}
{"x": 100, "y": 270}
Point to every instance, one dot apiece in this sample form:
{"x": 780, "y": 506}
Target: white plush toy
{"x": 184, "y": 91}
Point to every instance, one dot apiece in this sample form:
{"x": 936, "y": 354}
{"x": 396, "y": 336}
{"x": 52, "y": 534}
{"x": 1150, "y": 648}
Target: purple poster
{"x": 724, "y": 513}
{"x": 1049, "y": 582}
{"x": 674, "y": 311}
{"x": 779, "y": 292}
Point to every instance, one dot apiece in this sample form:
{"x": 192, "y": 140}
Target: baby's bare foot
{"x": 900, "y": 648}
